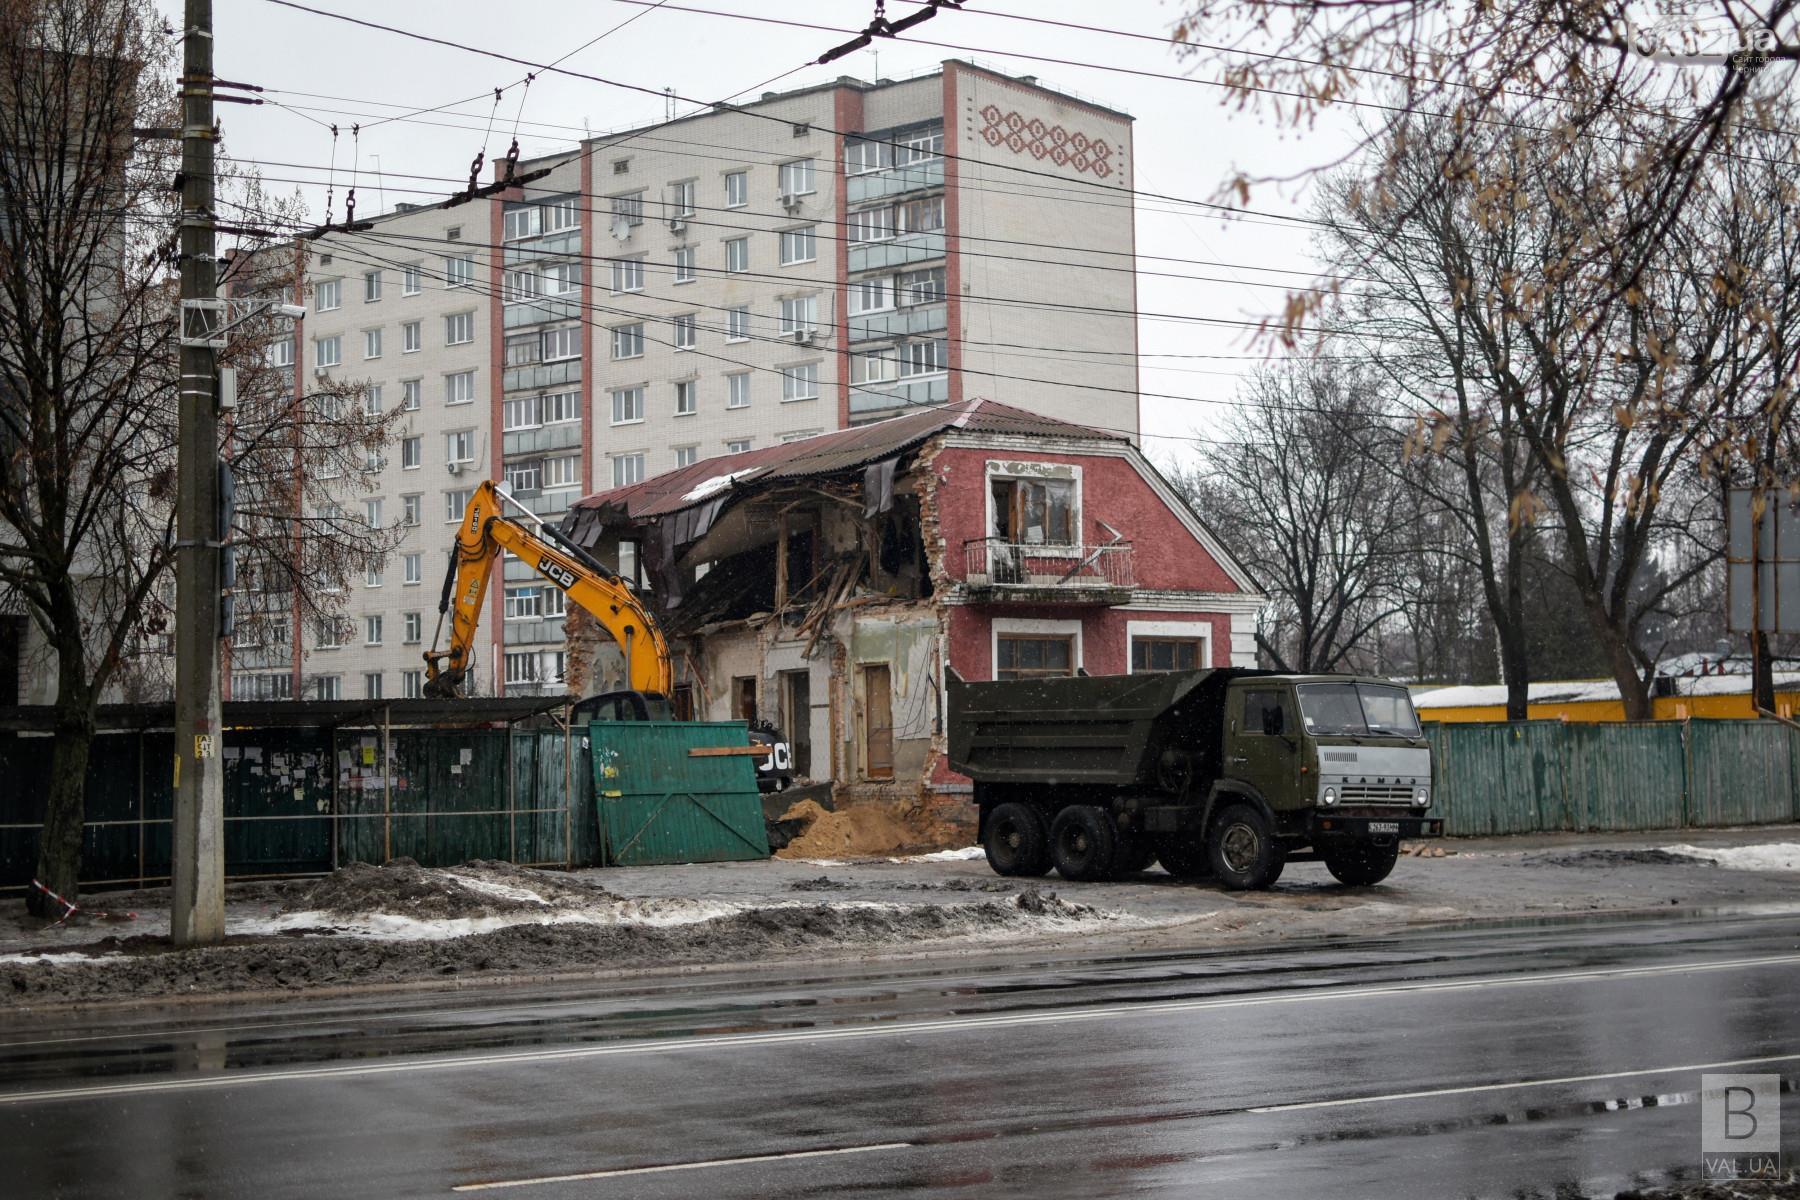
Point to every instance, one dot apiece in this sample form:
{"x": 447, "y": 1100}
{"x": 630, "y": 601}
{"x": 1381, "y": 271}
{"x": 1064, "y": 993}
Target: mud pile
{"x": 403, "y": 888}
{"x": 1618, "y": 858}
{"x": 860, "y": 831}
{"x": 147, "y": 967}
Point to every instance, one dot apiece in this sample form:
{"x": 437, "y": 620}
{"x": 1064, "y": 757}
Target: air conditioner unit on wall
{"x": 677, "y": 224}
{"x": 790, "y": 202}
{"x": 455, "y": 468}
{"x": 321, "y": 372}
{"x": 803, "y": 337}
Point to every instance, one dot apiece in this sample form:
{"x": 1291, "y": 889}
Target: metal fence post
{"x": 387, "y": 790}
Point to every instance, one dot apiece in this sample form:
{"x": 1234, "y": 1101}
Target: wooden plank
{"x": 729, "y": 751}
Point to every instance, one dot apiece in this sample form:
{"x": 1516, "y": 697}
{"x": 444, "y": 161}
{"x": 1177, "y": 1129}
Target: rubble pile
{"x": 861, "y": 831}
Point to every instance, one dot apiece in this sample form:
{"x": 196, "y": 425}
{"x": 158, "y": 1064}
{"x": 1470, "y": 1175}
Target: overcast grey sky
{"x": 1188, "y": 139}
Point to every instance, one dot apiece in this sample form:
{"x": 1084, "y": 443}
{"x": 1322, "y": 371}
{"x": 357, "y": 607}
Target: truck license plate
{"x": 1384, "y": 827}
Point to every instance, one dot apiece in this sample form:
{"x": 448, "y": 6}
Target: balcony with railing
{"x": 995, "y": 569}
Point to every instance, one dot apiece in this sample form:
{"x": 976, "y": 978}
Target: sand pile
{"x": 860, "y": 831}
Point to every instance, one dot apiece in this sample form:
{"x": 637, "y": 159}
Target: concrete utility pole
{"x": 198, "y": 915}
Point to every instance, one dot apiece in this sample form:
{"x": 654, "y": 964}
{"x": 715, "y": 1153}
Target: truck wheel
{"x": 1243, "y": 850}
{"x": 1134, "y": 853}
{"x": 1083, "y": 843}
{"x": 1017, "y": 841}
{"x": 1183, "y": 856}
{"x": 1360, "y": 864}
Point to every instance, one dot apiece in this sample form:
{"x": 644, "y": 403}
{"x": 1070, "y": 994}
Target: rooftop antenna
{"x": 668, "y": 104}
{"x": 380, "y": 184}
{"x": 876, "y": 55}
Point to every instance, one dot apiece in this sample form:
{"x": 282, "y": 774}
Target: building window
{"x": 1034, "y": 512}
{"x": 460, "y": 446}
{"x": 797, "y": 177}
{"x": 737, "y": 390}
{"x": 410, "y": 341}
{"x": 630, "y": 207}
{"x": 523, "y": 349}
{"x": 562, "y": 343}
{"x": 525, "y": 476}
{"x": 328, "y": 294}
{"x": 681, "y": 198}
{"x": 919, "y": 216}
{"x": 562, "y": 279}
{"x": 797, "y": 246}
{"x": 562, "y": 471}
{"x": 460, "y": 271}
{"x": 410, "y": 277}
{"x": 737, "y": 254}
{"x": 414, "y": 567}
{"x": 872, "y": 224}
{"x": 371, "y": 286}
{"x": 372, "y": 573}
{"x": 684, "y": 264}
{"x": 1165, "y": 654}
{"x": 872, "y": 366}
{"x": 520, "y": 412}
{"x": 329, "y": 687}
{"x": 372, "y": 513}
{"x": 281, "y": 352}
{"x": 328, "y": 352}
{"x": 687, "y": 398}
{"x": 922, "y": 358}
{"x": 456, "y": 502}
{"x": 627, "y": 469}
{"x": 371, "y": 343}
{"x": 685, "y": 336}
{"x": 919, "y": 145}
{"x": 737, "y": 324}
{"x": 627, "y": 405}
{"x": 801, "y": 382}
{"x": 459, "y": 329}
{"x": 627, "y": 274}
{"x": 522, "y": 222}
{"x": 412, "y": 684}
{"x": 410, "y": 508}
{"x": 522, "y": 667}
{"x": 737, "y": 189}
{"x": 372, "y": 400}
{"x": 459, "y": 388}
{"x": 919, "y": 287}
{"x": 628, "y": 341}
{"x": 738, "y": 446}
{"x": 523, "y": 603}
{"x": 869, "y": 295}
{"x": 686, "y": 456}
{"x": 410, "y": 391}
{"x": 861, "y": 157}
{"x": 1021, "y": 656}
{"x": 372, "y": 630}
{"x": 561, "y": 214}
{"x": 371, "y": 685}
{"x": 799, "y": 314}
{"x": 519, "y": 286}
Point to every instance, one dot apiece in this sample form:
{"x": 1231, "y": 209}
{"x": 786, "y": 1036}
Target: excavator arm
{"x": 486, "y": 530}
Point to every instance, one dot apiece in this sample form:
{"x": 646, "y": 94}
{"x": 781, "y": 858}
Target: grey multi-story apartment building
{"x": 738, "y": 277}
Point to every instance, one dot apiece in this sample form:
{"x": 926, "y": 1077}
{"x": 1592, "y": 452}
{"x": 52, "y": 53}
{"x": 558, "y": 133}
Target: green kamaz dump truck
{"x": 1232, "y": 773}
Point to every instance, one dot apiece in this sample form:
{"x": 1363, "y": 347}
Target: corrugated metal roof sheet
{"x": 825, "y": 454}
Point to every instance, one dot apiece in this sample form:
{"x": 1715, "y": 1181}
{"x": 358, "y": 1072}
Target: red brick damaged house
{"x": 825, "y": 584}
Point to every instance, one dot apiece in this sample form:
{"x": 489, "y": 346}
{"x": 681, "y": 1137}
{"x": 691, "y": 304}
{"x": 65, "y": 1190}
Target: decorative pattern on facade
{"x": 1034, "y": 136}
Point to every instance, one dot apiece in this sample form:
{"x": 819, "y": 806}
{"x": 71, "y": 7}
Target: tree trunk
{"x": 59, "y": 848}
{"x": 1632, "y": 688}
{"x": 1762, "y": 679}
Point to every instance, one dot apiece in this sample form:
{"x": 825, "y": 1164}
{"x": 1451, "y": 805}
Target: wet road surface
{"x": 1560, "y": 1058}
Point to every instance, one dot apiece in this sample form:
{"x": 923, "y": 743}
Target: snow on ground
{"x": 966, "y": 854}
{"x": 58, "y": 960}
{"x": 1770, "y": 856}
{"x": 381, "y": 926}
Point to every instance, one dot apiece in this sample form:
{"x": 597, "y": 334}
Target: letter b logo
{"x": 1740, "y": 1114}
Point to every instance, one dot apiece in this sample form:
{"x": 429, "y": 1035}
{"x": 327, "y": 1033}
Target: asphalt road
{"x": 1555, "y": 1059}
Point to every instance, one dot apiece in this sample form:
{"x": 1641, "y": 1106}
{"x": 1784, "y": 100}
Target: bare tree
{"x": 1301, "y": 497}
{"x": 1502, "y": 271}
{"x": 87, "y": 375}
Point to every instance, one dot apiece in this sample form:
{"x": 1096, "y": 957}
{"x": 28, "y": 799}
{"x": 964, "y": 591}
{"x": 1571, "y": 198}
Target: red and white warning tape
{"x": 70, "y": 910}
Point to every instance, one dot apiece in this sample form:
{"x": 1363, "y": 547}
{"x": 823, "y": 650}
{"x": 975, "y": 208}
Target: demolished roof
{"x": 712, "y": 483}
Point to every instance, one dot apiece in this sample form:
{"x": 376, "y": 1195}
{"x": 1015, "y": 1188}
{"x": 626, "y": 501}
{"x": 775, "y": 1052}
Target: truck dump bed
{"x": 1103, "y": 729}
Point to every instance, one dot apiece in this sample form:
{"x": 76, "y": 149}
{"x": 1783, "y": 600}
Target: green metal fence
{"x": 1547, "y": 775}
{"x": 303, "y": 801}
{"x": 658, "y": 804}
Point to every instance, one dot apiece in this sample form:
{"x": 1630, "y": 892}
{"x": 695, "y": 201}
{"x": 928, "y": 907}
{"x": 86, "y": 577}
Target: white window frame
{"x": 371, "y": 286}
{"x": 412, "y": 337}
{"x": 737, "y": 255}
{"x": 462, "y": 440}
{"x": 799, "y": 314}
{"x": 371, "y": 344}
{"x": 328, "y": 295}
{"x": 800, "y": 382}
{"x": 412, "y": 279}
{"x": 373, "y": 630}
{"x": 799, "y": 245}
{"x": 882, "y": 287}
{"x": 629, "y": 205}
{"x": 1034, "y": 627}
{"x": 687, "y": 331}
{"x": 797, "y": 177}
{"x": 459, "y": 322}
{"x": 627, "y": 275}
{"x": 449, "y": 388}
{"x": 1188, "y": 631}
{"x": 737, "y": 323}
{"x": 412, "y": 452}
{"x": 335, "y": 344}
{"x": 737, "y": 182}
{"x": 628, "y": 337}
{"x": 625, "y": 409}
{"x": 686, "y": 456}
{"x": 413, "y": 569}
{"x": 622, "y": 472}
{"x": 736, "y": 383}
{"x": 561, "y": 344}
{"x": 412, "y": 394}
{"x": 686, "y": 262}
{"x": 688, "y": 390}
{"x": 459, "y": 271}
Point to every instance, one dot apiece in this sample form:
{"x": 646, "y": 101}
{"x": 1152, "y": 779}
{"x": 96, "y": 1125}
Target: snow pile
{"x": 966, "y": 854}
{"x": 1770, "y": 856}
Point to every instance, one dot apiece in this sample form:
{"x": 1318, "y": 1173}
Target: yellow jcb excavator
{"x": 486, "y": 530}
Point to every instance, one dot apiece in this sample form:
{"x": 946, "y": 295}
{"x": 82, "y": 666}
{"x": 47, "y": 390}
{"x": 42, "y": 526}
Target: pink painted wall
{"x": 1165, "y": 554}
